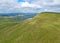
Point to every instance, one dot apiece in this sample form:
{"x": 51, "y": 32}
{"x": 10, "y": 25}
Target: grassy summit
{"x": 43, "y": 28}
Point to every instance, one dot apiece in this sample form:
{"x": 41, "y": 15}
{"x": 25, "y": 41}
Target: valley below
{"x": 16, "y": 17}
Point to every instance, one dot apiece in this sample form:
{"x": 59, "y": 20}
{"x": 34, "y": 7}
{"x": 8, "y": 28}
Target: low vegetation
{"x": 43, "y": 28}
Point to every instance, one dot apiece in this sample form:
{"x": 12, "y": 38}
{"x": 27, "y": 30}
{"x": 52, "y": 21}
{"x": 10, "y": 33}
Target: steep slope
{"x": 43, "y": 28}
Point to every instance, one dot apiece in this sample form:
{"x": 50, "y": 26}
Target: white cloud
{"x": 14, "y": 6}
{"x": 56, "y": 1}
{"x": 27, "y": 4}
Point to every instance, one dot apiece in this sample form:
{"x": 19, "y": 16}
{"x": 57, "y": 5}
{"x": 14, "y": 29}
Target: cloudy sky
{"x": 29, "y": 6}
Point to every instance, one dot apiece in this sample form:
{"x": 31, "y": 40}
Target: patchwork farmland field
{"x": 43, "y": 28}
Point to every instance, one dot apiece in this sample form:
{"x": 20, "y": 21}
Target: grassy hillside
{"x": 43, "y": 28}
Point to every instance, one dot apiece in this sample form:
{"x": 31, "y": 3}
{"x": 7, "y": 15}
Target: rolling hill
{"x": 43, "y": 28}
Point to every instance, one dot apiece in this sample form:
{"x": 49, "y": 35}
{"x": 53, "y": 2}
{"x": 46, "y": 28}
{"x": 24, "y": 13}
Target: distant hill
{"x": 43, "y": 28}
{"x": 15, "y": 17}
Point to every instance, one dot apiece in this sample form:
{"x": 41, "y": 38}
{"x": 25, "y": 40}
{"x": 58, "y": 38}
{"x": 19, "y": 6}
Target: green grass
{"x": 43, "y": 28}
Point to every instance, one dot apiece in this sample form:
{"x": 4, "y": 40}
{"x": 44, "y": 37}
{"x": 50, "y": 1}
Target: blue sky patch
{"x": 21, "y": 1}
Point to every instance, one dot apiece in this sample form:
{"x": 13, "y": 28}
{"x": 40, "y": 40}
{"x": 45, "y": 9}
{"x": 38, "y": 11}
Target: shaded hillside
{"x": 43, "y": 28}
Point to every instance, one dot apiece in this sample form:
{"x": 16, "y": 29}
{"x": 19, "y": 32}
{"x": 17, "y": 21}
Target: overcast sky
{"x": 29, "y": 6}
